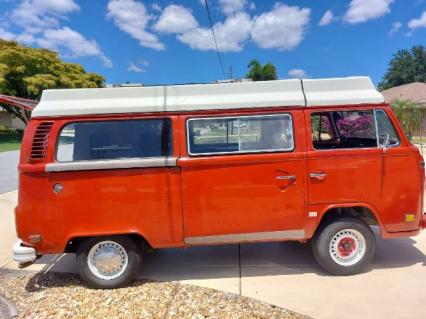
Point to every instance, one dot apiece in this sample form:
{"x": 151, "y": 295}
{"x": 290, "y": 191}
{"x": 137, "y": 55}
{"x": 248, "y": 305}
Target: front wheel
{"x": 344, "y": 247}
{"x": 108, "y": 262}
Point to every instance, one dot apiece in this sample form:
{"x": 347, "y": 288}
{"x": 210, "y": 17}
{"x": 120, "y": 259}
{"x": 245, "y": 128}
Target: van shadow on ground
{"x": 259, "y": 259}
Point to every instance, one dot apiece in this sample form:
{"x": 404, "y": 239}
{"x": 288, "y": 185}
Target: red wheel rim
{"x": 346, "y": 246}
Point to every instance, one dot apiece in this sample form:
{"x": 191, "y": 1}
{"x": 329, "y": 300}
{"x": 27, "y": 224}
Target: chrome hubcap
{"x": 107, "y": 260}
{"x": 347, "y": 247}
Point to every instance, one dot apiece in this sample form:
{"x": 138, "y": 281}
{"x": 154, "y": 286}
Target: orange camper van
{"x": 111, "y": 173}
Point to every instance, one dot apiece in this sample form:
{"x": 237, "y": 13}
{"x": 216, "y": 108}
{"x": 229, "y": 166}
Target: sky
{"x": 170, "y": 42}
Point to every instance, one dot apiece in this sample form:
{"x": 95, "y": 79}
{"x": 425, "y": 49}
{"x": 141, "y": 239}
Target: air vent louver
{"x": 41, "y": 138}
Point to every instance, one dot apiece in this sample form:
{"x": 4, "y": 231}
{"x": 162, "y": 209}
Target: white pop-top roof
{"x": 303, "y": 93}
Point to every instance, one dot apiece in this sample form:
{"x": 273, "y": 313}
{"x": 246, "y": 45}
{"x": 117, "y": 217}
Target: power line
{"x": 215, "y": 41}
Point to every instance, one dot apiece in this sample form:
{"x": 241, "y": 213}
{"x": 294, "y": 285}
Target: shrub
{"x": 409, "y": 114}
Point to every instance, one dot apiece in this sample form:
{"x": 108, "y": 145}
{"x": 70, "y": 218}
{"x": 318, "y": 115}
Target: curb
{"x": 7, "y": 309}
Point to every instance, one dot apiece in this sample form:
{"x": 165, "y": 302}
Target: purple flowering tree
{"x": 361, "y": 126}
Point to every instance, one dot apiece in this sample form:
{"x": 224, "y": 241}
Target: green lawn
{"x": 10, "y": 141}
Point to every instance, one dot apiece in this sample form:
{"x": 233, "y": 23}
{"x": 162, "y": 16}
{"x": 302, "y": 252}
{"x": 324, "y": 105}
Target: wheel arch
{"x": 362, "y": 211}
{"x": 75, "y": 240}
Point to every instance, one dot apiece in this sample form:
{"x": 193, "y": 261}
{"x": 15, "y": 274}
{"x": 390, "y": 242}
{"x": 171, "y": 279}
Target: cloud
{"x": 231, "y": 34}
{"x": 298, "y": 74}
{"x": 36, "y": 15}
{"x": 395, "y": 28}
{"x": 363, "y": 10}
{"x": 156, "y": 7}
{"x": 132, "y": 17}
{"x": 327, "y": 18}
{"x": 175, "y": 19}
{"x": 230, "y": 7}
{"x": 40, "y": 21}
{"x": 65, "y": 40}
{"x": 139, "y": 67}
{"x": 72, "y": 43}
{"x": 6, "y": 35}
{"x": 418, "y": 23}
{"x": 26, "y": 38}
{"x": 281, "y": 28}
{"x": 134, "y": 68}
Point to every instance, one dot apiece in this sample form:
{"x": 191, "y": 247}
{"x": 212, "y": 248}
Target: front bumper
{"x": 22, "y": 254}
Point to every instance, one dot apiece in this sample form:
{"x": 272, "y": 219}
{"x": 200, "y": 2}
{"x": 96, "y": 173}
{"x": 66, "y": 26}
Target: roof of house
{"x": 415, "y": 91}
{"x": 25, "y": 104}
{"x": 175, "y": 98}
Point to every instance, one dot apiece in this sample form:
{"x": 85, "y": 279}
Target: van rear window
{"x": 105, "y": 140}
{"x": 244, "y": 134}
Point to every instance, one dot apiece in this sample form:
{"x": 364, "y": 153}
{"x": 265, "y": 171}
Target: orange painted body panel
{"x": 389, "y": 183}
{"x": 99, "y": 202}
{"x": 240, "y": 193}
{"x": 220, "y": 194}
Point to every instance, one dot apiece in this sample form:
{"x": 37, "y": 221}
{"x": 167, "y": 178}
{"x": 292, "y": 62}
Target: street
{"x": 9, "y": 171}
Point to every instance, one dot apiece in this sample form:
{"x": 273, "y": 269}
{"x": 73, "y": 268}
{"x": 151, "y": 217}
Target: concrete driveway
{"x": 7, "y": 226}
{"x": 9, "y": 171}
{"x": 284, "y": 274}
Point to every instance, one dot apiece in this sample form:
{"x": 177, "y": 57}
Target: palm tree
{"x": 259, "y": 72}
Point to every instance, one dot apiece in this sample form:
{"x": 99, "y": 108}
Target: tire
{"x": 108, "y": 262}
{"x": 344, "y": 247}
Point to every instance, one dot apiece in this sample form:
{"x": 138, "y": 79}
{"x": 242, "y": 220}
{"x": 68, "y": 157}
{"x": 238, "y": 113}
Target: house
{"x": 415, "y": 92}
{"x": 10, "y": 121}
{"x": 20, "y": 105}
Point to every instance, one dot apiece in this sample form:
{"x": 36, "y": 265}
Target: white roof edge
{"x": 341, "y": 91}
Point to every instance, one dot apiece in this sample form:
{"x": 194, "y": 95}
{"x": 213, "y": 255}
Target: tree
{"x": 259, "y": 72}
{"x": 409, "y": 115}
{"x": 406, "y": 66}
{"x": 26, "y": 72}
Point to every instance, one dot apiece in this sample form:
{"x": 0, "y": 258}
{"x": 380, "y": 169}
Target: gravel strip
{"x": 59, "y": 295}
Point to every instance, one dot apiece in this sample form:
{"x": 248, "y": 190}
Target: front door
{"x": 347, "y": 165}
{"x": 243, "y": 178}
{"x": 344, "y": 161}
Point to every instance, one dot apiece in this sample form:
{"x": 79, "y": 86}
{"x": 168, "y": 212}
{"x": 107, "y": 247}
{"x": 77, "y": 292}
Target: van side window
{"x": 244, "y": 134}
{"x": 322, "y": 129}
{"x": 385, "y": 127}
{"x": 343, "y": 129}
{"x": 105, "y": 140}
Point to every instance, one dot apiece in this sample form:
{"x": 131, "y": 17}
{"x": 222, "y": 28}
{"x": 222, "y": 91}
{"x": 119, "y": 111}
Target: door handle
{"x": 286, "y": 177}
{"x": 319, "y": 176}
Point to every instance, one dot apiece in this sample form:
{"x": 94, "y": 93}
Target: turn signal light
{"x": 409, "y": 218}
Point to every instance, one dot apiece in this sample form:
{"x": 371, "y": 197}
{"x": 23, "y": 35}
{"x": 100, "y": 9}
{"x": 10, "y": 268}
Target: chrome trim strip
{"x": 235, "y": 238}
{"x": 112, "y": 164}
{"x": 376, "y": 126}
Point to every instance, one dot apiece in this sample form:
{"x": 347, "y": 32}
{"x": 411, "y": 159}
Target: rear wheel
{"x": 344, "y": 247}
{"x": 108, "y": 262}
